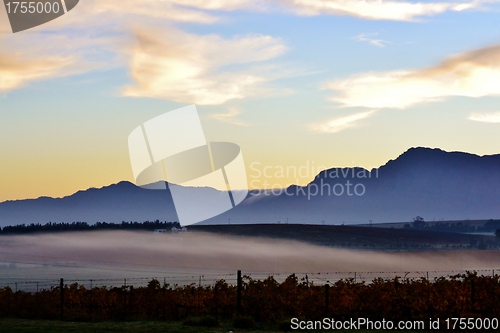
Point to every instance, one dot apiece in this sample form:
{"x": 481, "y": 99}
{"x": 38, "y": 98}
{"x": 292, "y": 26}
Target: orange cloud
{"x": 17, "y": 71}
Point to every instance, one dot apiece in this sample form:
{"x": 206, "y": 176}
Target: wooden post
{"x": 198, "y": 295}
{"x": 61, "y": 287}
{"x": 472, "y": 293}
{"x": 494, "y": 282}
{"x": 327, "y": 299}
{"x": 124, "y": 309}
{"x": 238, "y": 296}
{"x": 164, "y": 305}
{"x": 216, "y": 300}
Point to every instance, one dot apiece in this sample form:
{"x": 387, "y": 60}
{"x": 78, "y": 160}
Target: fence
{"x": 405, "y": 295}
{"x": 210, "y": 279}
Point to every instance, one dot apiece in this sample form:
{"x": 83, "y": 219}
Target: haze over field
{"x": 114, "y": 254}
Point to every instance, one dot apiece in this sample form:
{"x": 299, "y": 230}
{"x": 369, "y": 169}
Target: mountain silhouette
{"x": 426, "y": 182}
{"x": 115, "y": 203}
{"x": 421, "y": 182}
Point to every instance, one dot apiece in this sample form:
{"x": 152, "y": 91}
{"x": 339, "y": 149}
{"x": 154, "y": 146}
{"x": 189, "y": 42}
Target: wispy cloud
{"x": 230, "y": 117}
{"x": 16, "y": 72}
{"x": 199, "y": 69}
{"x": 24, "y": 59}
{"x": 341, "y": 123}
{"x": 192, "y": 69}
{"x": 368, "y": 38}
{"x": 105, "y": 12}
{"x": 111, "y": 12}
{"x": 153, "y": 9}
{"x": 493, "y": 118}
{"x": 471, "y": 74}
{"x": 77, "y": 43}
{"x": 380, "y": 9}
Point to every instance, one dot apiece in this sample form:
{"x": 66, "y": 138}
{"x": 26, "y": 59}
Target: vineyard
{"x": 266, "y": 300}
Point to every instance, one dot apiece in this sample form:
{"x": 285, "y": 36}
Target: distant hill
{"x": 115, "y": 203}
{"x": 431, "y": 183}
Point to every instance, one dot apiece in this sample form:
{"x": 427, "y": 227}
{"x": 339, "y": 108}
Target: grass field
{"x": 353, "y": 236}
{"x": 47, "y": 326}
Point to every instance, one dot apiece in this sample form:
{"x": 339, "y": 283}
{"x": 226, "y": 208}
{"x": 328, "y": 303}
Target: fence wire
{"x": 173, "y": 279}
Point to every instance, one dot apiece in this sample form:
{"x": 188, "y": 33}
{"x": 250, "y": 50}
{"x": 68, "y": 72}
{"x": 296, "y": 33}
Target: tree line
{"x": 84, "y": 226}
{"x": 449, "y": 226}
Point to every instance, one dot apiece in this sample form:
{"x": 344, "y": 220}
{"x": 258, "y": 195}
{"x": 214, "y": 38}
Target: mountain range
{"x": 431, "y": 183}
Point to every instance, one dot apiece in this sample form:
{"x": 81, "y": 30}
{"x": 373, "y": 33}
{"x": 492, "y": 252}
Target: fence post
{"x": 216, "y": 300}
{"x": 164, "y": 305}
{"x": 125, "y": 300}
{"x": 238, "y": 296}
{"x": 494, "y": 282}
{"x": 472, "y": 293}
{"x": 198, "y": 302}
{"x": 61, "y": 287}
{"x": 327, "y": 299}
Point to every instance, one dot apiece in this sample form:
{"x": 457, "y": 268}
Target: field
{"x": 354, "y": 236}
{"x": 195, "y": 277}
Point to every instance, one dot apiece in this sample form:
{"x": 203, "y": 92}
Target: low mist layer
{"x": 104, "y": 254}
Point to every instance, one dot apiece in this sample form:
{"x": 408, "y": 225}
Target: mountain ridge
{"x": 429, "y": 182}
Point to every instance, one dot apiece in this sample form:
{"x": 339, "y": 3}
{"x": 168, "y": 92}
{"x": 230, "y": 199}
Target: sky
{"x": 295, "y": 83}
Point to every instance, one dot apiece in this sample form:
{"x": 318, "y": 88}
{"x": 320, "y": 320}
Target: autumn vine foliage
{"x": 462, "y": 295}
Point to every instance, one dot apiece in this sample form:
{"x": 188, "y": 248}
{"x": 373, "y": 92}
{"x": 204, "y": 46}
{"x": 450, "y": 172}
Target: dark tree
{"x": 418, "y": 222}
